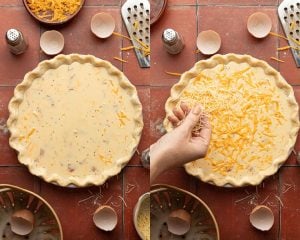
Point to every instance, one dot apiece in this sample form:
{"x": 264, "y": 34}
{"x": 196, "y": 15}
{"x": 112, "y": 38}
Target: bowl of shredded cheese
{"x": 53, "y": 12}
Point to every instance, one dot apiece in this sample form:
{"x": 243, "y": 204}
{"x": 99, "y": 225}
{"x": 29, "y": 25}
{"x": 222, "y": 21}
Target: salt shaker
{"x": 16, "y": 41}
{"x": 173, "y": 41}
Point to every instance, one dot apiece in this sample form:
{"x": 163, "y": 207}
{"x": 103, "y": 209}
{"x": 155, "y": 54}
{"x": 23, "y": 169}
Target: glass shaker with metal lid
{"x": 15, "y": 41}
{"x": 173, "y": 41}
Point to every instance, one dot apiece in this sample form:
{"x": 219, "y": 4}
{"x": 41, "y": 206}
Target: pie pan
{"x": 75, "y": 120}
{"x": 253, "y": 113}
{"x": 164, "y": 199}
{"x": 46, "y": 222}
{"x": 47, "y": 20}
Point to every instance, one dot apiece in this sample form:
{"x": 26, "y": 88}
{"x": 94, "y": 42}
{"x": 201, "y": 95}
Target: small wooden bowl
{"x": 48, "y": 21}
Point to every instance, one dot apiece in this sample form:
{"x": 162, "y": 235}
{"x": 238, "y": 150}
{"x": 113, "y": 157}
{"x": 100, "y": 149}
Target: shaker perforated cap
{"x": 169, "y": 35}
{"x": 13, "y": 35}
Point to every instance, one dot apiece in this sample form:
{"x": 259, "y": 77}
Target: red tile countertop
{"x": 231, "y": 207}
{"x": 74, "y": 207}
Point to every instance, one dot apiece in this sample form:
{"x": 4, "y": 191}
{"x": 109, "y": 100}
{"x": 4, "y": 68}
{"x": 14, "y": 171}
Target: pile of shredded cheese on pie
{"x": 249, "y": 117}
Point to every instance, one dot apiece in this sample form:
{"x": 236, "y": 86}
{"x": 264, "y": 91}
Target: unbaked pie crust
{"x": 75, "y": 120}
{"x": 253, "y": 113}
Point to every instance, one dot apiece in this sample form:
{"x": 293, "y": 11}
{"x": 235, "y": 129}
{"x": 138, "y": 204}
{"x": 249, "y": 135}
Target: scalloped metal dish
{"x": 164, "y": 199}
{"x": 47, "y": 225}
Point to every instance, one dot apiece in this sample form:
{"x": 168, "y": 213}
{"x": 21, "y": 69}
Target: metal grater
{"x": 289, "y": 14}
{"x": 136, "y": 16}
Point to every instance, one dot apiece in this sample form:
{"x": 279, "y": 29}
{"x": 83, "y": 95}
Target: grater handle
{"x": 143, "y": 61}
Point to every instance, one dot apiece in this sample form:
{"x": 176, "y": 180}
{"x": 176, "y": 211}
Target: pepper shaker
{"x": 145, "y": 158}
{"x": 173, "y": 41}
{"x": 15, "y": 41}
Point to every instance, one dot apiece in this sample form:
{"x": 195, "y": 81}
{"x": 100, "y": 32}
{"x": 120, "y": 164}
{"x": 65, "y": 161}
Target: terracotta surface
{"x": 13, "y": 68}
{"x": 289, "y": 193}
{"x": 230, "y": 206}
{"x": 74, "y": 207}
{"x": 136, "y": 181}
{"x": 161, "y": 61}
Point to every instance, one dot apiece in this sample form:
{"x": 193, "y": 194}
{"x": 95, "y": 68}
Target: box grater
{"x": 136, "y": 16}
{"x": 289, "y": 14}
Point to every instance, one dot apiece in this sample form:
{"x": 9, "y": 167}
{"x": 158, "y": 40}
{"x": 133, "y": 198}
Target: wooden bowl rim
{"x": 41, "y": 199}
{"x": 51, "y": 22}
{"x": 158, "y": 187}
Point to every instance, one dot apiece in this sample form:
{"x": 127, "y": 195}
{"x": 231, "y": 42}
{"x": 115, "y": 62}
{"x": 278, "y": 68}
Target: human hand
{"x": 181, "y": 145}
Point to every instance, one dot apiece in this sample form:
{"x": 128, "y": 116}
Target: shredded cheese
{"x": 277, "y": 59}
{"x": 277, "y": 35}
{"x": 241, "y": 118}
{"x": 173, "y": 73}
{"x": 54, "y": 10}
{"x": 292, "y": 25}
{"x": 144, "y": 47}
{"x": 288, "y": 47}
{"x": 122, "y": 117}
{"x": 26, "y": 138}
{"x": 127, "y": 48}
{"x": 295, "y": 41}
{"x": 136, "y": 25}
{"x": 120, "y": 59}
{"x": 121, "y": 35}
{"x": 283, "y": 48}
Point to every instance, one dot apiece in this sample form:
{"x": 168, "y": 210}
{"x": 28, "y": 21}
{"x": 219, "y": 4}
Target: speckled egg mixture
{"x": 75, "y": 121}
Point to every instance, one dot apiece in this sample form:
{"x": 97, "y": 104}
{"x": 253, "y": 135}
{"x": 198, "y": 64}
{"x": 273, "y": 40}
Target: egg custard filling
{"x": 253, "y": 113}
{"x": 75, "y": 120}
